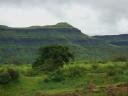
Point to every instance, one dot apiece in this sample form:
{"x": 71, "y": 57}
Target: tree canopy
{"x": 52, "y": 57}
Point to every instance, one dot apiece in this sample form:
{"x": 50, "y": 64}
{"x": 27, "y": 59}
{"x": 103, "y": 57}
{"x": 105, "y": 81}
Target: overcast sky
{"x": 93, "y": 17}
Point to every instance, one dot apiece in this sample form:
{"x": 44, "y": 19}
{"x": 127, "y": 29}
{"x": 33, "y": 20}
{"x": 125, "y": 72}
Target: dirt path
{"x": 113, "y": 90}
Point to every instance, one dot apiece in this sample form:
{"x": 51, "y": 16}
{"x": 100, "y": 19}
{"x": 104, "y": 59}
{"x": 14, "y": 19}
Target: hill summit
{"x": 58, "y": 25}
{"x": 63, "y": 25}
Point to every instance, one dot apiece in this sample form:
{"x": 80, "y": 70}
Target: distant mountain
{"x": 20, "y": 45}
{"x": 36, "y": 36}
{"x": 119, "y": 40}
{"x": 3, "y": 27}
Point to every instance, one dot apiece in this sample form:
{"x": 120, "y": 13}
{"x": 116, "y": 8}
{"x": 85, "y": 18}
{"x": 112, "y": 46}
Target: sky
{"x": 92, "y": 17}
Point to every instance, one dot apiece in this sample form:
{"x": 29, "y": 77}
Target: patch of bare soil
{"x": 112, "y": 90}
{"x": 118, "y": 90}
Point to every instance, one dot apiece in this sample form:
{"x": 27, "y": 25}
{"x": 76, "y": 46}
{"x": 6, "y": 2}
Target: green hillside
{"x": 20, "y": 45}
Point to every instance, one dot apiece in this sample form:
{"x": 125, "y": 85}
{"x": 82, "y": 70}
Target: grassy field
{"x": 77, "y": 76}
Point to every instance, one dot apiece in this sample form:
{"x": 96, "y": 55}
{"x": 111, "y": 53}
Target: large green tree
{"x": 52, "y": 57}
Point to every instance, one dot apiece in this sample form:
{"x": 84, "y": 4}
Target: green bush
{"x": 73, "y": 72}
{"x": 120, "y": 59}
{"x": 62, "y": 74}
{"x": 114, "y": 70}
{"x": 111, "y": 72}
{"x": 4, "y": 78}
{"x": 13, "y": 73}
{"x": 95, "y": 66}
{"x": 56, "y": 76}
{"x": 7, "y": 75}
{"x": 66, "y": 73}
{"x": 127, "y": 64}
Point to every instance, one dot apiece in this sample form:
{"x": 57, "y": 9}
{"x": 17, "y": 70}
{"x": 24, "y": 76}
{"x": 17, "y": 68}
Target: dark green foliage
{"x": 8, "y": 75}
{"x": 68, "y": 73}
{"x": 52, "y": 57}
{"x": 13, "y": 73}
{"x": 120, "y": 59}
{"x": 56, "y": 76}
{"x": 73, "y": 72}
{"x": 4, "y": 78}
{"x": 94, "y": 66}
{"x": 113, "y": 71}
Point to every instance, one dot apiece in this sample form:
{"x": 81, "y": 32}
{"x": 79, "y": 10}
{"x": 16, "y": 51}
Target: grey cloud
{"x": 112, "y": 11}
{"x": 115, "y": 7}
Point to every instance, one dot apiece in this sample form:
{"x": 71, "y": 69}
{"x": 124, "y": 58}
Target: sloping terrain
{"x": 20, "y": 44}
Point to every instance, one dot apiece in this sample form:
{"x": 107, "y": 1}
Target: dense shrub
{"x": 111, "y": 72}
{"x": 74, "y": 71}
{"x": 114, "y": 70}
{"x": 120, "y": 58}
{"x": 56, "y": 76}
{"x": 7, "y": 75}
{"x": 62, "y": 74}
{"x": 127, "y": 64}
{"x": 95, "y": 66}
{"x": 13, "y": 73}
{"x": 102, "y": 61}
{"x": 4, "y": 78}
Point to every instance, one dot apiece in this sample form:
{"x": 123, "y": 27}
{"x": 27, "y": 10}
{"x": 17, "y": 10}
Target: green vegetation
{"x": 71, "y": 77}
{"x": 8, "y": 75}
{"x": 100, "y": 67}
{"x": 52, "y": 57}
{"x": 20, "y": 45}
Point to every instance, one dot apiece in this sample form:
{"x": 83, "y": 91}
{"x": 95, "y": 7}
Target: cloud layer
{"x": 93, "y": 17}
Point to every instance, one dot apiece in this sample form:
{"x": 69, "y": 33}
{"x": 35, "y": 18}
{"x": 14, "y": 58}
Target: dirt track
{"x": 118, "y": 90}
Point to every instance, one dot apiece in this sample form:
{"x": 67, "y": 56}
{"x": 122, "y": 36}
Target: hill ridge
{"x": 22, "y": 44}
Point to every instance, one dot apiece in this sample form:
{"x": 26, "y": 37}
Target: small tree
{"x": 52, "y": 57}
{"x": 8, "y": 75}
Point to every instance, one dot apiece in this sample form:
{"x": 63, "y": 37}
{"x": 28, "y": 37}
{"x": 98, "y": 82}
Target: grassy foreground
{"x": 81, "y": 76}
